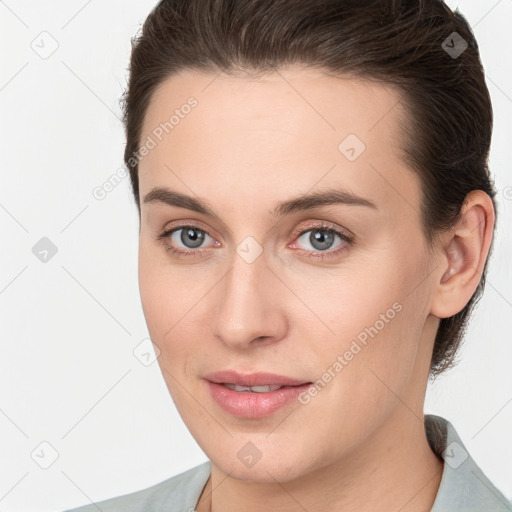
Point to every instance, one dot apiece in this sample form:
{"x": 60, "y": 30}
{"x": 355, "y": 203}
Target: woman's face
{"x": 256, "y": 287}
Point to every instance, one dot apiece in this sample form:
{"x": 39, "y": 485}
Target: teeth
{"x": 256, "y": 389}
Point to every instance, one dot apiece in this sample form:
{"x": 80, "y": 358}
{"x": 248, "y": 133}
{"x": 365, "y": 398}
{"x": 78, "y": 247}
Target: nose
{"x": 250, "y": 307}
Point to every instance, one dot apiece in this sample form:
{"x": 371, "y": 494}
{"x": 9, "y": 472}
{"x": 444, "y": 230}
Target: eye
{"x": 185, "y": 240}
{"x": 189, "y": 240}
{"x": 322, "y": 238}
{"x": 191, "y": 237}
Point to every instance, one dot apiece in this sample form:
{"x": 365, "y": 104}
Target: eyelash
{"x": 309, "y": 254}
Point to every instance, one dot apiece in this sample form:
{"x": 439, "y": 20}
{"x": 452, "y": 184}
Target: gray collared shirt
{"x": 464, "y": 487}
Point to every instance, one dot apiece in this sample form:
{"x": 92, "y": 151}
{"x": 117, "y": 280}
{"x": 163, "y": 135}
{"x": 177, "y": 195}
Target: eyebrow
{"x": 297, "y": 204}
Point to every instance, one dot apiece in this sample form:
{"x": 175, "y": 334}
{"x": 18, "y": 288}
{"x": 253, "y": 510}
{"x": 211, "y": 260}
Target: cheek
{"x": 369, "y": 362}
{"x": 374, "y": 313}
{"x": 166, "y": 291}
{"x": 161, "y": 299}
{"x": 172, "y": 297}
{"x": 349, "y": 299}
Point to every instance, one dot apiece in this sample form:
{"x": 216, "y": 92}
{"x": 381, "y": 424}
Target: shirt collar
{"x": 464, "y": 487}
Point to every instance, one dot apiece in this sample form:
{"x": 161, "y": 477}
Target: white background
{"x": 68, "y": 375}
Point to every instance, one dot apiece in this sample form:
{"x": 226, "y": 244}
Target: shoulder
{"x": 181, "y": 491}
{"x": 464, "y": 486}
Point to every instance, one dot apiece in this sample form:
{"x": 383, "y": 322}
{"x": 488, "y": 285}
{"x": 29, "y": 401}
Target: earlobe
{"x": 463, "y": 254}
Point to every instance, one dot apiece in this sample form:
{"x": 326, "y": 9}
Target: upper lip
{"x": 252, "y": 379}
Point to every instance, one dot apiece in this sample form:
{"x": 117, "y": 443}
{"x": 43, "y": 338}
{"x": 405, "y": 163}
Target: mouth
{"x": 254, "y": 395}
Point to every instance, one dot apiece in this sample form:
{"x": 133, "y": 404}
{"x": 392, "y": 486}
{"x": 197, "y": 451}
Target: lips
{"x": 253, "y": 395}
{"x": 253, "y": 379}
{"x": 254, "y": 405}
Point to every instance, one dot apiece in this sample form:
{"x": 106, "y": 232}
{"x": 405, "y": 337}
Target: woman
{"x": 316, "y": 216}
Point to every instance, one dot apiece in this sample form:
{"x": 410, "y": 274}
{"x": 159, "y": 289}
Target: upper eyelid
{"x": 323, "y": 226}
{"x": 320, "y": 226}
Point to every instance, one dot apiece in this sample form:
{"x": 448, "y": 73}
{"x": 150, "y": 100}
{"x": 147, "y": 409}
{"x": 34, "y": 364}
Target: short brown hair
{"x": 401, "y": 42}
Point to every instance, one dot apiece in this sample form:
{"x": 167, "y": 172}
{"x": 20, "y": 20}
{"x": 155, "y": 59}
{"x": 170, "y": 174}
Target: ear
{"x": 463, "y": 252}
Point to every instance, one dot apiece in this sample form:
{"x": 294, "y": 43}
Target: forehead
{"x": 295, "y": 100}
{"x": 287, "y": 130}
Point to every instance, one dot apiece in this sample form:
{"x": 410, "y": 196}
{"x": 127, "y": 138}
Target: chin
{"x": 262, "y": 461}
{"x": 268, "y": 471}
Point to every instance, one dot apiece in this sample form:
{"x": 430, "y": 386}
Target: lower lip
{"x": 250, "y": 404}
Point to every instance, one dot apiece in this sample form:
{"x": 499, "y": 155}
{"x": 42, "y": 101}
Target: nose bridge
{"x": 246, "y": 304}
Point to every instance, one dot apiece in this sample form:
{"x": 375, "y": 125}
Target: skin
{"x": 249, "y": 144}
